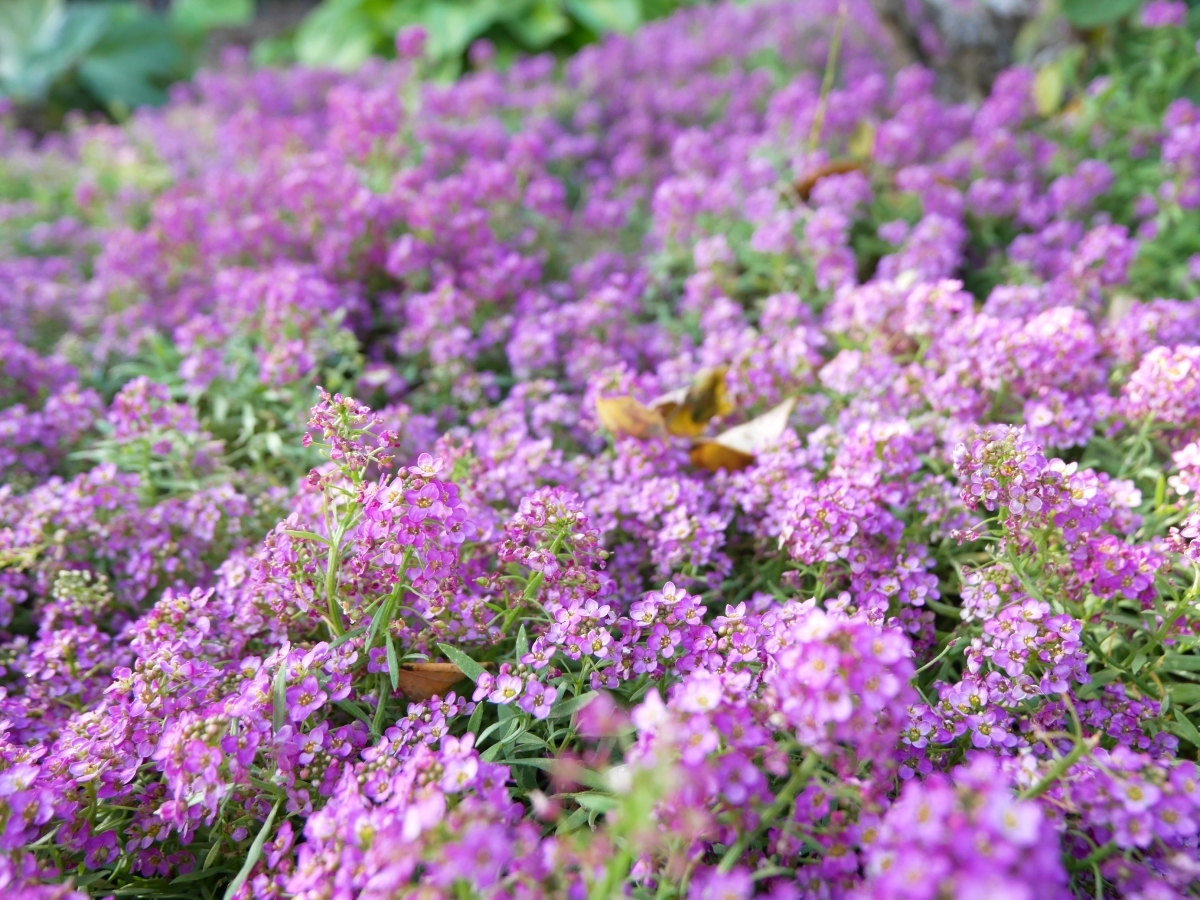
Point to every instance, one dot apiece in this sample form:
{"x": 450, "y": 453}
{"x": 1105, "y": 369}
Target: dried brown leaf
{"x": 713, "y": 456}
{"x": 420, "y": 681}
{"x": 804, "y": 186}
{"x": 736, "y": 448}
{"x": 625, "y": 415}
{"x": 704, "y": 400}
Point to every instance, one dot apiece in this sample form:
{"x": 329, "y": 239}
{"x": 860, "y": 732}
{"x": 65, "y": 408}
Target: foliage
{"x": 343, "y": 33}
{"x": 111, "y": 56}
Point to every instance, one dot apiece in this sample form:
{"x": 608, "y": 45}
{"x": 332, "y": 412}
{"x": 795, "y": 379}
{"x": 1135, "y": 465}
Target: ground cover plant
{"x": 712, "y": 468}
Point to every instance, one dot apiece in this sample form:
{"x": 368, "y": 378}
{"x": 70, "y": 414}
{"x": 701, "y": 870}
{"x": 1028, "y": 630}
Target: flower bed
{"x": 748, "y": 488}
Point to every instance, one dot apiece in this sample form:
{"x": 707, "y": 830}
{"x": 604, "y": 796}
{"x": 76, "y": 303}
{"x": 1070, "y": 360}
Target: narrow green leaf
{"x": 279, "y": 696}
{"x": 522, "y": 643}
{"x": 203, "y": 15}
{"x": 1184, "y": 694}
{"x": 198, "y": 875}
{"x": 603, "y": 16}
{"x": 573, "y": 822}
{"x": 255, "y": 852}
{"x": 586, "y": 777}
{"x": 377, "y": 620}
{"x": 1180, "y": 662}
{"x": 471, "y": 669}
{"x": 348, "y": 636}
{"x": 495, "y": 726}
{"x": 571, "y": 706}
{"x": 1086, "y": 14}
{"x": 306, "y": 535}
{"x": 476, "y": 719}
{"x": 597, "y": 802}
{"x": 1182, "y": 727}
{"x": 393, "y": 662}
{"x": 354, "y": 711}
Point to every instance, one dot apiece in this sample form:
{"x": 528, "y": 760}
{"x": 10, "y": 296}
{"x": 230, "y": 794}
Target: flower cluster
{"x": 671, "y": 473}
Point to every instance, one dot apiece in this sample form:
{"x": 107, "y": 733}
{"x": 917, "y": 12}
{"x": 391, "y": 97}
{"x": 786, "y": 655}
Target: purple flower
{"x": 305, "y": 698}
{"x": 508, "y": 688}
{"x": 538, "y": 698}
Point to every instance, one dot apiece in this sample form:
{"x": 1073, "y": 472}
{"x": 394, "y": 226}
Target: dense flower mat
{"x": 544, "y": 622}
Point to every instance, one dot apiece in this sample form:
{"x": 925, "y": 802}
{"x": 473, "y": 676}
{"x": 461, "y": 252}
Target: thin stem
{"x": 835, "y": 47}
{"x": 949, "y": 646}
{"x": 782, "y": 800}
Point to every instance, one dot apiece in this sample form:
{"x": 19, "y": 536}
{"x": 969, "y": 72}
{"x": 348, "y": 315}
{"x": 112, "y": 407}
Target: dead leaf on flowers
{"x": 684, "y": 412}
{"x": 420, "y": 681}
{"x": 625, "y": 415}
{"x": 736, "y": 448}
{"x": 804, "y": 186}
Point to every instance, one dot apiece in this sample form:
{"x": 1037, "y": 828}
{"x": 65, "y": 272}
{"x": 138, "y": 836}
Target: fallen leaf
{"x": 736, "y": 448}
{"x": 688, "y": 413}
{"x": 861, "y": 143}
{"x": 420, "y": 681}
{"x": 713, "y": 456}
{"x": 1048, "y": 89}
{"x": 805, "y": 185}
{"x": 665, "y": 404}
{"x": 625, "y": 415}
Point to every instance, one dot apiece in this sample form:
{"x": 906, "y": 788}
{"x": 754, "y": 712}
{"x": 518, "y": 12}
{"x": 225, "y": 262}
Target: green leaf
{"x": 603, "y": 16}
{"x": 586, "y": 777}
{"x": 338, "y": 34}
{"x": 452, "y": 26}
{"x": 197, "y": 875}
{"x": 471, "y": 669}
{"x": 40, "y": 40}
{"x": 522, "y": 647}
{"x": 393, "y": 662}
{"x": 573, "y": 822}
{"x": 255, "y": 852}
{"x": 1099, "y": 679}
{"x": 1180, "y": 662}
{"x": 597, "y": 802}
{"x": 348, "y": 636}
{"x": 490, "y": 754}
{"x": 1087, "y": 14}
{"x": 1048, "y": 89}
{"x": 306, "y": 535}
{"x": 539, "y": 25}
{"x": 279, "y": 697}
{"x": 573, "y": 705}
{"x": 503, "y": 723}
{"x": 203, "y": 15}
{"x": 476, "y": 719}
{"x": 1182, "y": 727}
{"x": 354, "y": 711}
{"x": 1184, "y": 694}
{"x": 134, "y": 57}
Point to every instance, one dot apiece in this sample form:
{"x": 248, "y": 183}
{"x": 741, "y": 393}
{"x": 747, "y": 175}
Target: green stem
{"x": 1059, "y": 768}
{"x": 953, "y": 642}
{"x": 835, "y": 46}
{"x": 782, "y": 800}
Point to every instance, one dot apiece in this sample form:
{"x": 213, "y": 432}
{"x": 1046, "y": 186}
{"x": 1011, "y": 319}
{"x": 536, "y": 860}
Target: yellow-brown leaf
{"x": 706, "y": 399}
{"x": 420, "y": 681}
{"x": 625, "y": 415}
{"x": 736, "y": 448}
{"x": 805, "y": 185}
{"x": 713, "y": 456}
